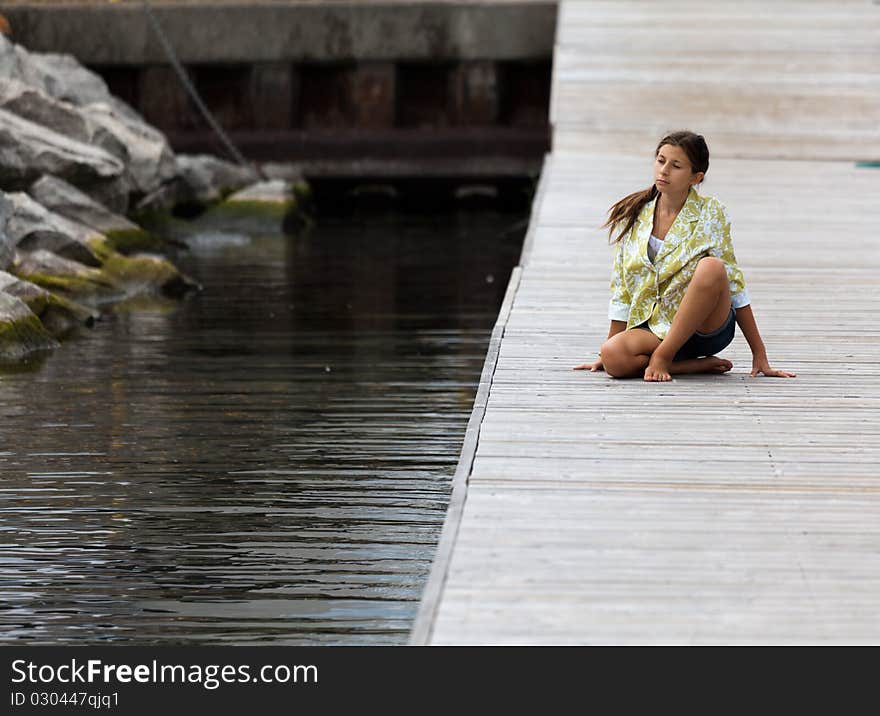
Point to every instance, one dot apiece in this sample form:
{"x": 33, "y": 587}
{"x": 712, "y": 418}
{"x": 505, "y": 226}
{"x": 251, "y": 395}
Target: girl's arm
{"x": 746, "y": 320}
{"x": 615, "y": 328}
{"x": 742, "y": 303}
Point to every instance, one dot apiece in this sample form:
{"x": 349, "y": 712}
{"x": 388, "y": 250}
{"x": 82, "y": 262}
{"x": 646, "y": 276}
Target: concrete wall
{"x": 118, "y": 33}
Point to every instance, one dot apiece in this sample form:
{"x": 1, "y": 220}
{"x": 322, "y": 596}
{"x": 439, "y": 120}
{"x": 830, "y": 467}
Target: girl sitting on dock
{"x": 676, "y": 290}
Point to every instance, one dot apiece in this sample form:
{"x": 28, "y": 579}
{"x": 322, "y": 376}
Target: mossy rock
{"x": 67, "y": 278}
{"x": 141, "y": 273}
{"x": 118, "y": 276}
{"x": 274, "y": 202}
{"x": 128, "y": 241}
{"x": 251, "y": 216}
{"x": 253, "y": 208}
{"x": 62, "y": 316}
{"x": 73, "y": 286}
{"x": 21, "y": 332}
{"x": 260, "y": 208}
{"x": 144, "y": 273}
{"x": 59, "y": 315}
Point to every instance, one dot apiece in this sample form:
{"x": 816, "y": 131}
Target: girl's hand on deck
{"x": 760, "y": 364}
{"x": 590, "y": 366}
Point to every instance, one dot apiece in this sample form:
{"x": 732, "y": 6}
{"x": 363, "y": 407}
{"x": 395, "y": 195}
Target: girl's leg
{"x": 626, "y": 354}
{"x": 705, "y": 307}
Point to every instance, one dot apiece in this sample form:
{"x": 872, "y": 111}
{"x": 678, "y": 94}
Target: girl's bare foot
{"x": 710, "y": 364}
{"x": 659, "y": 369}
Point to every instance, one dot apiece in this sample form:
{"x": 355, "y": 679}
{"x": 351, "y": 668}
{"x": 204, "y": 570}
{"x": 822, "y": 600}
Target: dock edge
{"x": 429, "y": 604}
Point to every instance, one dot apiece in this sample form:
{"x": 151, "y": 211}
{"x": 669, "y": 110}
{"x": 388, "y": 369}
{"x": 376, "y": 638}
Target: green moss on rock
{"x": 24, "y": 335}
{"x": 141, "y": 273}
{"x": 248, "y": 208}
{"x": 71, "y": 286}
{"x": 128, "y": 241}
{"x": 61, "y": 316}
{"x": 102, "y": 248}
{"x": 37, "y": 302}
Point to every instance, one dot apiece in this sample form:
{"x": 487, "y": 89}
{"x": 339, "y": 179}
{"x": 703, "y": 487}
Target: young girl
{"x": 675, "y": 288}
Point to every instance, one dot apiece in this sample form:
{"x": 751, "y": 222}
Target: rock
{"x": 58, "y": 315}
{"x": 21, "y": 332}
{"x": 146, "y": 273}
{"x": 67, "y": 120}
{"x": 118, "y": 277}
{"x": 25, "y": 290}
{"x": 52, "y": 90}
{"x": 31, "y": 226}
{"x": 201, "y": 180}
{"x": 69, "y": 278}
{"x": 273, "y": 198}
{"x": 207, "y": 179}
{"x": 144, "y": 151}
{"x": 274, "y": 194}
{"x": 253, "y": 207}
{"x": 162, "y": 200}
{"x": 113, "y": 193}
{"x": 293, "y": 176}
{"x": 62, "y": 117}
{"x": 150, "y": 161}
{"x": 66, "y": 200}
{"x": 36, "y": 106}
{"x": 29, "y": 150}
{"x": 7, "y": 246}
{"x": 59, "y": 76}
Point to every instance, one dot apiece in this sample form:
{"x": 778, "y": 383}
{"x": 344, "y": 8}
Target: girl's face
{"x": 672, "y": 171}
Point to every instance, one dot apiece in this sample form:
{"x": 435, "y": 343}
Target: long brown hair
{"x": 627, "y": 210}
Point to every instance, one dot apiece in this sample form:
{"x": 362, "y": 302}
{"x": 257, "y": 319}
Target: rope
{"x": 192, "y": 92}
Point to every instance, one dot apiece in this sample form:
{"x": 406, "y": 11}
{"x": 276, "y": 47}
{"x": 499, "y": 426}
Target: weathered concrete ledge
{"x": 295, "y": 31}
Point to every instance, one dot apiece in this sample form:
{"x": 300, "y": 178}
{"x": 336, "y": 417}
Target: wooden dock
{"x": 712, "y": 509}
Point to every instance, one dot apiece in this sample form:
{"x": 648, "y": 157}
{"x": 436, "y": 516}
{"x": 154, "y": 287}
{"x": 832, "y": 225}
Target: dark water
{"x": 266, "y": 462}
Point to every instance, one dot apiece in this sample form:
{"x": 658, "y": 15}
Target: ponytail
{"x": 626, "y": 211}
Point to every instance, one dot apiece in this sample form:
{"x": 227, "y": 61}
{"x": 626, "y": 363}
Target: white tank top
{"x": 654, "y": 245}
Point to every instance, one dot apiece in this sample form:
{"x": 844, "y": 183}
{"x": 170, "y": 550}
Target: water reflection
{"x": 266, "y": 462}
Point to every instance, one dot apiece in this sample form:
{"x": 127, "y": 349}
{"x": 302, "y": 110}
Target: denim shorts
{"x": 705, "y": 344}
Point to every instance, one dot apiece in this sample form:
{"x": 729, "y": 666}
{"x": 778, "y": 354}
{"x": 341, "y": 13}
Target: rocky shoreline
{"x": 86, "y": 186}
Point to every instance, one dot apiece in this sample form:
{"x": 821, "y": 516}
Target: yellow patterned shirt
{"x": 644, "y": 291}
